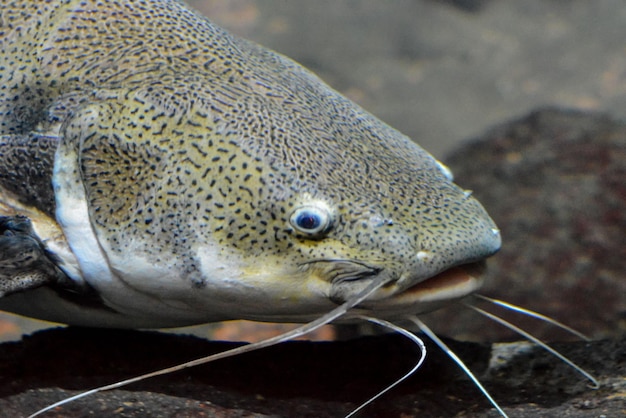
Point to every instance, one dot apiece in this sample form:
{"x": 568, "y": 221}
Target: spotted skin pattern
{"x": 192, "y": 149}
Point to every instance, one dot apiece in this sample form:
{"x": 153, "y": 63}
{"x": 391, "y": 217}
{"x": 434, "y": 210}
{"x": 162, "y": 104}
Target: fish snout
{"x": 447, "y": 262}
{"x": 458, "y": 233}
{"x": 432, "y": 261}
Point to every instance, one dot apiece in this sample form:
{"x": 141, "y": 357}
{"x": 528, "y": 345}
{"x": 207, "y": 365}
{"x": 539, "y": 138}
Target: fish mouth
{"x": 348, "y": 278}
{"x": 428, "y": 295}
{"x": 452, "y": 283}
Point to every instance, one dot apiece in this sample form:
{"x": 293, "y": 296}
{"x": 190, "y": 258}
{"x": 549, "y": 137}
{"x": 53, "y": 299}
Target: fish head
{"x": 350, "y": 201}
{"x": 261, "y": 194}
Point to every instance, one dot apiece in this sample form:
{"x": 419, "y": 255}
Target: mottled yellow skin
{"x": 173, "y": 157}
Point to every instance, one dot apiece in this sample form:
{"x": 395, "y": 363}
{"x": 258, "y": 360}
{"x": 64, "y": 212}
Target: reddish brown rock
{"x": 555, "y": 183}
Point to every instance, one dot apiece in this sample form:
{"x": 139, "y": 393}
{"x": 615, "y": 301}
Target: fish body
{"x": 173, "y": 174}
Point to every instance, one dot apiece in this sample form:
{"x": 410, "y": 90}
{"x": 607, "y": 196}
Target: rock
{"x": 555, "y": 183}
{"x": 300, "y": 379}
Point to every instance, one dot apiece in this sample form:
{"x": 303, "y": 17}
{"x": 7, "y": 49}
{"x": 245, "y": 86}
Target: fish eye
{"x": 311, "y": 220}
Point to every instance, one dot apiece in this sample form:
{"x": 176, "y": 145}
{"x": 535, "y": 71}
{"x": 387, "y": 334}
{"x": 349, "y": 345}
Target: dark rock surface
{"x": 555, "y": 183}
{"x": 299, "y": 379}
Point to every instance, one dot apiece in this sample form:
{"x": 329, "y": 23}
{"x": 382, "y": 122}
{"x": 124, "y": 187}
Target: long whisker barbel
{"x": 408, "y": 334}
{"x": 530, "y": 337}
{"x": 426, "y": 330}
{"x": 341, "y": 310}
{"x": 444, "y": 347}
{"x": 448, "y": 351}
{"x": 294, "y": 333}
{"x": 525, "y": 311}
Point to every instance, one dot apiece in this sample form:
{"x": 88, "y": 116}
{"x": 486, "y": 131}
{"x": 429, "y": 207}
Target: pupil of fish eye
{"x": 308, "y": 220}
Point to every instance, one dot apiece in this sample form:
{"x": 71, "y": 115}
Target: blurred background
{"x": 439, "y": 71}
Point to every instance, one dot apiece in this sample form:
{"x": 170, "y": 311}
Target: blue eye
{"x": 308, "y": 220}
{"x": 311, "y": 220}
